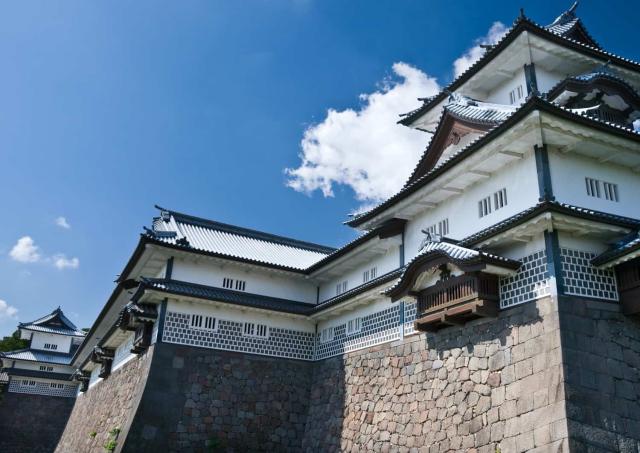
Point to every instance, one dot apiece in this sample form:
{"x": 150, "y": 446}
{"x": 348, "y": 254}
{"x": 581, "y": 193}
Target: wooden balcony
{"x": 457, "y": 300}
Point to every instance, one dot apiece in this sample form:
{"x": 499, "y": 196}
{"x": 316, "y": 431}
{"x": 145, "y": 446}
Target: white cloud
{"x": 364, "y": 148}
{"x": 25, "y": 251}
{"x": 7, "y": 311}
{"x": 496, "y": 32}
{"x": 61, "y": 262}
{"x": 63, "y": 223}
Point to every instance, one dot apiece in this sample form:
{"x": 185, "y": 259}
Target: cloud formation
{"x": 472, "y": 55}
{"x": 364, "y": 148}
{"x": 61, "y": 262}
{"x": 25, "y": 251}
{"x": 63, "y": 223}
{"x": 7, "y": 311}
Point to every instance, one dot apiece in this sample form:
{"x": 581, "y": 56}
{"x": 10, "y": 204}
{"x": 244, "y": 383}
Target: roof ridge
{"x": 249, "y": 232}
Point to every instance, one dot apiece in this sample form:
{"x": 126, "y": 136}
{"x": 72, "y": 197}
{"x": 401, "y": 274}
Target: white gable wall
{"x": 40, "y": 339}
{"x": 384, "y": 264}
{"x": 520, "y": 180}
{"x": 568, "y": 172}
{"x": 500, "y": 94}
{"x": 257, "y": 281}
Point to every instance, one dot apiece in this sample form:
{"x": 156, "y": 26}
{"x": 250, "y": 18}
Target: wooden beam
{"x": 510, "y": 153}
{"x": 484, "y": 174}
{"x": 453, "y": 189}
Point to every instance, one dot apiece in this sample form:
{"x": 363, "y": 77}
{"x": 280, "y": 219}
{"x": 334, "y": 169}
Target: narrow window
{"x": 43, "y": 368}
{"x": 227, "y": 283}
{"x": 210, "y": 323}
{"x": 610, "y": 191}
{"x": 49, "y": 368}
{"x": 500, "y": 199}
{"x": 326, "y": 335}
{"x": 262, "y": 331}
{"x": 369, "y": 274}
{"x": 484, "y": 206}
{"x": 240, "y": 285}
{"x": 520, "y": 91}
{"x": 341, "y": 287}
{"x": 249, "y": 328}
{"x": 196, "y": 321}
{"x": 353, "y": 326}
{"x": 443, "y": 227}
{"x": 255, "y": 330}
{"x": 53, "y": 385}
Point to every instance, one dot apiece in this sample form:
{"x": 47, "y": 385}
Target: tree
{"x": 13, "y": 342}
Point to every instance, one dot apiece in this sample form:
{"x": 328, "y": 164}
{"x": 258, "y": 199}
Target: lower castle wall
{"x": 601, "y": 355}
{"x": 491, "y": 383}
{"x": 109, "y": 404}
{"x": 32, "y": 423}
{"x": 200, "y": 399}
{"x": 551, "y": 375}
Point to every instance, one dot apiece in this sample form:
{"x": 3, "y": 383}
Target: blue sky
{"x": 108, "y": 108}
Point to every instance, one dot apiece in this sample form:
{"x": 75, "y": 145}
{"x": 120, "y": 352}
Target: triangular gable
{"x": 449, "y": 132}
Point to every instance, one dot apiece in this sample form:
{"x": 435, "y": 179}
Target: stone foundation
{"x": 32, "y": 423}
{"x": 107, "y": 405}
{"x": 545, "y": 376}
{"x": 494, "y": 383}
{"x": 601, "y": 356}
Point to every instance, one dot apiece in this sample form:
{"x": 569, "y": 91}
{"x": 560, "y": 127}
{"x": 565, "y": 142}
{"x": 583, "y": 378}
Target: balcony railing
{"x": 457, "y": 300}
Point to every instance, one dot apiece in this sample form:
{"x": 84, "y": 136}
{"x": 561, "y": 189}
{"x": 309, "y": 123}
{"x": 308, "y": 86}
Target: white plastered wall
{"x": 384, "y": 264}
{"x": 40, "y": 339}
{"x": 568, "y": 172}
{"x": 231, "y": 313}
{"x": 265, "y": 282}
{"x": 520, "y": 180}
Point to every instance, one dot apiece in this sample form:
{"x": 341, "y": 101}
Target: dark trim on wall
{"x": 169, "y": 270}
{"x": 554, "y": 265}
{"x": 163, "y": 311}
{"x": 530, "y": 78}
{"x": 545, "y": 188}
{"x": 402, "y": 250}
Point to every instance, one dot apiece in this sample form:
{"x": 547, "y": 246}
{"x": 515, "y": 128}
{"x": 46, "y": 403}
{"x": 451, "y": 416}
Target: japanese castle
{"x": 508, "y": 261}
{"x": 44, "y": 368}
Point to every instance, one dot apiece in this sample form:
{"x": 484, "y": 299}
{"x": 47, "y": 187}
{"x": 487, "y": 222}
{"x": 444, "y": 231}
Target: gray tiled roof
{"x": 55, "y": 322}
{"x": 543, "y": 206}
{"x": 38, "y": 374}
{"x": 627, "y": 245}
{"x": 226, "y": 295}
{"x": 478, "y": 111}
{"x": 456, "y": 252}
{"x": 522, "y": 23}
{"x": 227, "y": 240}
{"x": 534, "y": 102}
{"x": 33, "y": 355}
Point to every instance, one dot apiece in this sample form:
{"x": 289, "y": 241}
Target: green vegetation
{"x": 13, "y": 342}
{"x": 112, "y": 443}
{"x": 93, "y": 434}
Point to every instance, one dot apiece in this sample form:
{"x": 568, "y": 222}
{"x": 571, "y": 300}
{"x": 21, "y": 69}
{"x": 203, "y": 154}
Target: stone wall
{"x": 494, "y": 383}
{"x": 109, "y": 404}
{"x": 601, "y": 355}
{"x": 32, "y": 423}
{"x": 208, "y": 400}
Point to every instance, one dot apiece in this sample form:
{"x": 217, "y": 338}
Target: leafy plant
{"x": 112, "y": 443}
{"x": 93, "y": 434}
